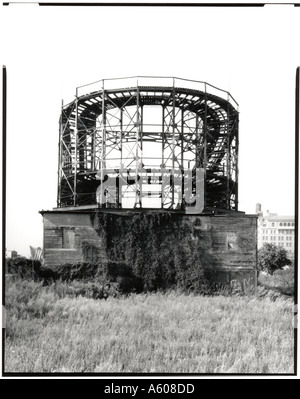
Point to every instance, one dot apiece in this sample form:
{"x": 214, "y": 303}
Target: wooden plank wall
{"x": 87, "y": 240}
{"x": 231, "y": 240}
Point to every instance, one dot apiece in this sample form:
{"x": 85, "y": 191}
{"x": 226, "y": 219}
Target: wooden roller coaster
{"x": 132, "y": 146}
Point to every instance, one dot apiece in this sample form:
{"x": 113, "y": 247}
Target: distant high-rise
{"x": 258, "y": 209}
{"x": 275, "y": 229}
{"x": 11, "y": 254}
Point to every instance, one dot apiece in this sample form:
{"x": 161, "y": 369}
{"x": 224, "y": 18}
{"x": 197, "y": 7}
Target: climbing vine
{"x": 161, "y": 249}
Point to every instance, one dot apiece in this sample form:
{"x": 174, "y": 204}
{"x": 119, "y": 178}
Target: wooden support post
{"x": 173, "y": 145}
{"x": 237, "y": 165}
{"x": 205, "y": 147}
{"x": 60, "y": 161}
{"x": 162, "y": 156}
{"x": 103, "y": 143}
{"x": 228, "y": 166}
{"x": 137, "y": 155}
{"x": 76, "y": 143}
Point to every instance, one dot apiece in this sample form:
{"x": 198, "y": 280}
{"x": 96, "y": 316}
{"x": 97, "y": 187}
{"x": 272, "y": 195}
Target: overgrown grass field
{"x": 50, "y": 329}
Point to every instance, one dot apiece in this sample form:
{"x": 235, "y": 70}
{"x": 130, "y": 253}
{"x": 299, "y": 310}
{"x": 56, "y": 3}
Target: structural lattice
{"x": 134, "y": 142}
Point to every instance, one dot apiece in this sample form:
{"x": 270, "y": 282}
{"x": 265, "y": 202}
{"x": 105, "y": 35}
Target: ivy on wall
{"x": 161, "y": 248}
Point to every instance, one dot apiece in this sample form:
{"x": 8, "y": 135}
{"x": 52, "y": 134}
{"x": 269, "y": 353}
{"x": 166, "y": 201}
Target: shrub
{"x": 281, "y": 281}
{"x": 22, "y": 267}
{"x": 271, "y": 258}
{"x": 97, "y": 275}
{"x": 78, "y": 271}
{"x": 94, "y": 290}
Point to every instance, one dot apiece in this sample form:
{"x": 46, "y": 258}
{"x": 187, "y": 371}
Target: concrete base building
{"x": 227, "y": 241}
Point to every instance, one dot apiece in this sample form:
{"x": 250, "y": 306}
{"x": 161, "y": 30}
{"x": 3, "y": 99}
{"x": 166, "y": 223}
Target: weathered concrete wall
{"x": 230, "y": 240}
{"x": 67, "y": 238}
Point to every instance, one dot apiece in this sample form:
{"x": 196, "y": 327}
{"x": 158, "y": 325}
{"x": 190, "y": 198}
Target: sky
{"x": 251, "y": 52}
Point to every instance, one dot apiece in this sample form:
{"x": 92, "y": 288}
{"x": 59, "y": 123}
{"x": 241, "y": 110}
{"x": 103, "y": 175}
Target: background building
{"x": 275, "y": 229}
{"x": 10, "y": 253}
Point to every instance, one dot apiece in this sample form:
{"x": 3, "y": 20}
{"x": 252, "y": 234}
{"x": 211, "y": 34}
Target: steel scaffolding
{"x": 133, "y": 142}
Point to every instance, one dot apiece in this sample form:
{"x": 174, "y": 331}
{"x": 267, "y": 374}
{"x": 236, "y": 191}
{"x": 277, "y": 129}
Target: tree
{"x": 271, "y": 258}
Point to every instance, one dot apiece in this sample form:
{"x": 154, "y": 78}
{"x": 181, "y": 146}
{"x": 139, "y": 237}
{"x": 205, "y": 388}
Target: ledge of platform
{"x": 94, "y": 208}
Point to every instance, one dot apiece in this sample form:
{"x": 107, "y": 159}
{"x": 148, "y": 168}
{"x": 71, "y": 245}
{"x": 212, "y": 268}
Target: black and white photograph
{"x": 149, "y": 208}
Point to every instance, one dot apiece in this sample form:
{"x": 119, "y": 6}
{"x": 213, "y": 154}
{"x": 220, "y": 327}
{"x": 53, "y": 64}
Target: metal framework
{"x": 132, "y": 142}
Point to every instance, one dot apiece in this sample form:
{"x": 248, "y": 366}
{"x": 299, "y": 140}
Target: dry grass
{"x": 49, "y": 332}
{"x": 281, "y": 281}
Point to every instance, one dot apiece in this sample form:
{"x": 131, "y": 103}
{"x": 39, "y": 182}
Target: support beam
{"x": 75, "y": 154}
{"x": 103, "y": 147}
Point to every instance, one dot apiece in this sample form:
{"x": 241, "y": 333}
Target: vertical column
{"x": 162, "y": 155}
{"x": 121, "y": 139}
{"x": 181, "y": 139}
{"x": 197, "y": 145}
{"x": 76, "y": 145}
{"x": 173, "y": 145}
{"x": 141, "y": 163}
{"x": 228, "y": 166}
{"x": 182, "y": 171}
{"x": 197, "y": 141}
{"x": 93, "y": 149}
{"x": 137, "y": 155}
{"x": 205, "y": 145}
{"x": 120, "y": 174}
{"x": 59, "y": 173}
{"x": 237, "y": 164}
{"x": 103, "y": 144}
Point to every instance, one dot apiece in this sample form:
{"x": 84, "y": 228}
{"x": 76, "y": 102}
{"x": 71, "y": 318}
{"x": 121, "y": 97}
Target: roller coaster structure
{"x": 135, "y": 142}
